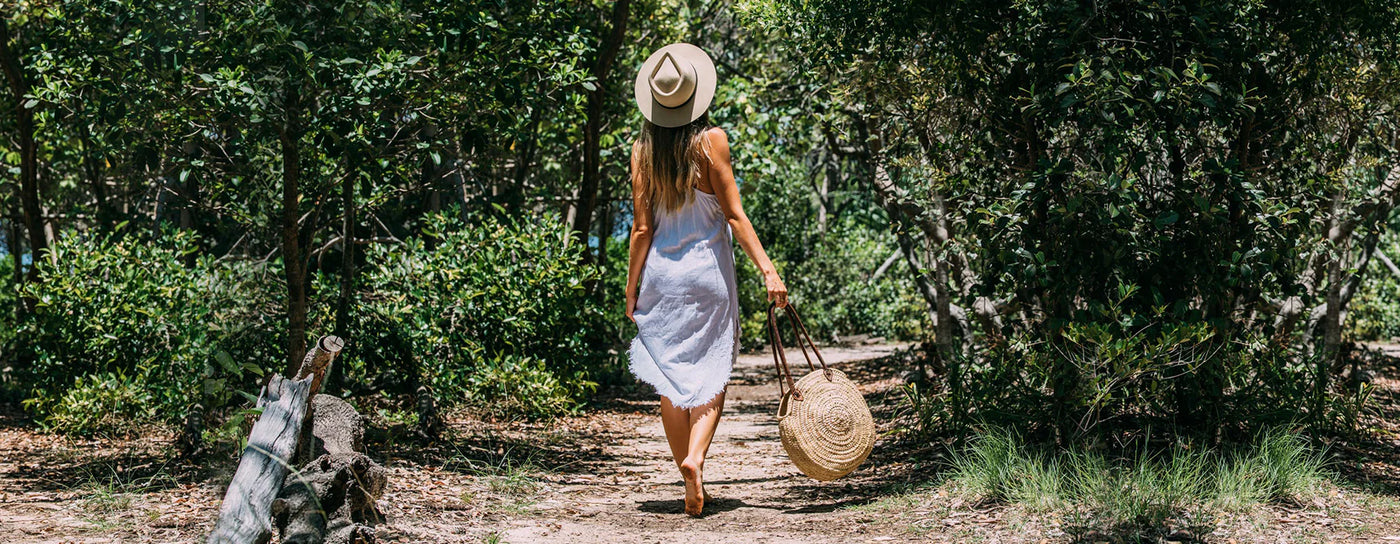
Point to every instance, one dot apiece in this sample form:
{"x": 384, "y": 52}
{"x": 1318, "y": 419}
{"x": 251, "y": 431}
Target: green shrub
{"x": 126, "y": 314}
{"x": 840, "y": 294}
{"x": 510, "y": 386}
{"x": 833, "y": 285}
{"x": 496, "y": 314}
{"x": 102, "y": 404}
{"x": 1126, "y": 372}
{"x": 1375, "y": 312}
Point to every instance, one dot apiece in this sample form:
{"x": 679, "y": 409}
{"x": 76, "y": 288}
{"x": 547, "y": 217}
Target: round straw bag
{"x": 824, "y": 422}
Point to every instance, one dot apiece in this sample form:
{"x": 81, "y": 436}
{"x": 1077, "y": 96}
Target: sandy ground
{"x": 633, "y": 494}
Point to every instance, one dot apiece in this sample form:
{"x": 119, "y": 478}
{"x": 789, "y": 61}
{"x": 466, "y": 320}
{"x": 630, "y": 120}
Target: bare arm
{"x": 640, "y": 241}
{"x": 721, "y": 176}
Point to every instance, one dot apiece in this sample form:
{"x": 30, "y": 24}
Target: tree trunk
{"x": 944, "y": 328}
{"x": 1389, "y": 265}
{"x": 1332, "y": 332}
{"x": 935, "y": 291}
{"x": 830, "y": 174}
{"x": 187, "y": 206}
{"x": 347, "y": 276}
{"x": 29, "y": 161}
{"x": 190, "y": 442}
{"x": 93, "y": 172}
{"x": 459, "y": 176}
{"x": 889, "y": 261}
{"x": 516, "y": 197}
{"x": 588, "y": 192}
{"x": 604, "y": 232}
{"x": 13, "y": 246}
{"x": 291, "y": 249}
{"x": 429, "y": 423}
{"x": 1338, "y": 235}
{"x": 916, "y": 269}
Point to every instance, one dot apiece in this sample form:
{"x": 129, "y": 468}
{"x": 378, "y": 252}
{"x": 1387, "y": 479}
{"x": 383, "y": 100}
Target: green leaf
{"x": 226, "y": 362}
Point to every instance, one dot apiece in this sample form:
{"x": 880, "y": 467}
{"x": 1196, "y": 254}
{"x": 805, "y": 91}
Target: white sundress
{"x": 687, "y": 309}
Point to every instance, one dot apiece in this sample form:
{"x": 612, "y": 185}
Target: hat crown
{"x": 675, "y": 85}
{"x": 668, "y": 76}
{"x": 672, "y": 81}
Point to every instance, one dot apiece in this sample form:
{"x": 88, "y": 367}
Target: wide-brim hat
{"x": 675, "y": 85}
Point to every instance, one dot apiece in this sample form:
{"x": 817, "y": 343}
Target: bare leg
{"x": 676, "y": 421}
{"x": 703, "y": 421}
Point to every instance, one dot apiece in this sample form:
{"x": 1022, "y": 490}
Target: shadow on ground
{"x": 1370, "y": 457}
{"x": 51, "y": 463}
{"x": 715, "y": 506}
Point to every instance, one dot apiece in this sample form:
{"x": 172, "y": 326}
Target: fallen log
{"x": 245, "y": 517}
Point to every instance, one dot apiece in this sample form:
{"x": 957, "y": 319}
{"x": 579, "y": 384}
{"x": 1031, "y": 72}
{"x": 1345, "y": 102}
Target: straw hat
{"x": 675, "y": 85}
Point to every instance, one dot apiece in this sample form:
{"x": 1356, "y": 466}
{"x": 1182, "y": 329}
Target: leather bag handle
{"x": 780, "y": 355}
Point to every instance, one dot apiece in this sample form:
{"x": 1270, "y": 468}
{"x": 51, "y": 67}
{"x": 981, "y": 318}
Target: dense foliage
{"x": 497, "y": 315}
{"x": 124, "y": 332}
{"x": 1133, "y": 215}
{"x": 1101, "y": 217}
{"x": 1375, "y": 314}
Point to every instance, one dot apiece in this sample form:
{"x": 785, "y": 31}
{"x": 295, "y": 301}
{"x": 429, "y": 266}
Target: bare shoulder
{"x": 718, "y": 142}
{"x": 717, "y": 136}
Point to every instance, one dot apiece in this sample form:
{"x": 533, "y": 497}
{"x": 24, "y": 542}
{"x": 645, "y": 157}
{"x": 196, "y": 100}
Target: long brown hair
{"x": 669, "y": 162}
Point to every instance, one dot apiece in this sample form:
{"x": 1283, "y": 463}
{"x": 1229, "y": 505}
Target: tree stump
{"x": 336, "y": 427}
{"x": 245, "y": 517}
{"x": 331, "y": 498}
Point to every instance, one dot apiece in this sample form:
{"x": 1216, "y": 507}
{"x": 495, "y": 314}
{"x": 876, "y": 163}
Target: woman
{"x": 681, "y": 289}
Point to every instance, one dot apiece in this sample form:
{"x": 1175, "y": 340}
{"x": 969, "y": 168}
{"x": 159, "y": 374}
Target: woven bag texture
{"x": 830, "y": 432}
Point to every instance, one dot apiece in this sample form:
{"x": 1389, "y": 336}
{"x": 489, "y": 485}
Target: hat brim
{"x": 705, "y": 81}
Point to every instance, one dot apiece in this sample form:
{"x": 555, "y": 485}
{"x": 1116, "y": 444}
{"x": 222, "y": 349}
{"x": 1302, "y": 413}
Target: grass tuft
{"x": 1145, "y": 490}
{"x": 998, "y": 466}
{"x": 1281, "y": 467}
{"x": 512, "y": 486}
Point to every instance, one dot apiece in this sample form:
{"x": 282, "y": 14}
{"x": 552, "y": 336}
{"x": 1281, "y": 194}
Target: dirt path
{"x": 632, "y": 493}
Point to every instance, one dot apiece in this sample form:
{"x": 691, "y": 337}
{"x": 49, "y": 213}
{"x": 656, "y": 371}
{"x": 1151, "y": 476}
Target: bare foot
{"x": 694, "y": 490}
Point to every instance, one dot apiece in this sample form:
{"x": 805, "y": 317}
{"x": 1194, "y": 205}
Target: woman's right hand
{"x": 631, "y": 306}
{"x": 777, "y": 292}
